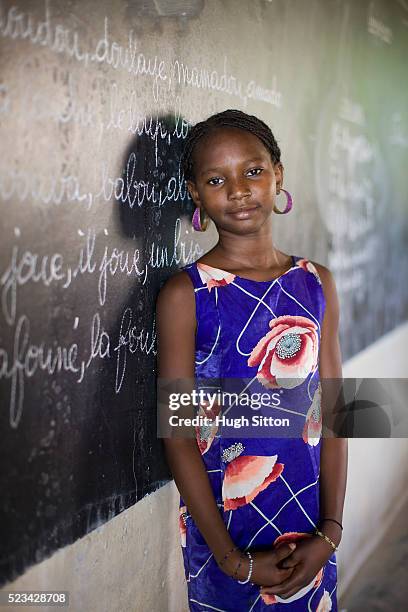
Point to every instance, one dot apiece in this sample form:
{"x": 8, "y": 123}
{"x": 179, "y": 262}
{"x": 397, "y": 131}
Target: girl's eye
{"x": 252, "y": 170}
{"x": 215, "y": 178}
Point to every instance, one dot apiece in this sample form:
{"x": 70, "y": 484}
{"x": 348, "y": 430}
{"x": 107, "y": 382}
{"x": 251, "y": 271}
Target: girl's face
{"x": 234, "y": 171}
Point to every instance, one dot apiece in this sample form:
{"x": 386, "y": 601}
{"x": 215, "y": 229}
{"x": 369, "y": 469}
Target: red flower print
{"x": 325, "y": 604}
{"x": 269, "y": 599}
{"x": 293, "y": 536}
{"x": 312, "y": 429}
{"x": 309, "y": 267}
{"x": 246, "y": 476}
{"x": 214, "y": 277}
{"x": 182, "y": 525}
{"x": 286, "y": 354}
{"x": 205, "y": 434}
{"x": 318, "y": 579}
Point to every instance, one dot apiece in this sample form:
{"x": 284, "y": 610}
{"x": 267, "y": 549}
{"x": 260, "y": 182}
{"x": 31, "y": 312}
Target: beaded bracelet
{"x": 227, "y": 555}
{"x": 251, "y": 562}
{"x": 325, "y": 537}
{"x": 334, "y": 521}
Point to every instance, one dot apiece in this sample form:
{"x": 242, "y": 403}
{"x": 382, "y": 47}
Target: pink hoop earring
{"x": 196, "y": 221}
{"x": 289, "y": 203}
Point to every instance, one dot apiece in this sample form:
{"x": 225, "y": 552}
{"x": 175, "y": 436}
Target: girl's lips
{"x": 245, "y": 213}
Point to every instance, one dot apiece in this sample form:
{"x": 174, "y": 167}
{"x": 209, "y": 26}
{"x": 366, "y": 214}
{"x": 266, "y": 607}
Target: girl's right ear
{"x": 193, "y": 192}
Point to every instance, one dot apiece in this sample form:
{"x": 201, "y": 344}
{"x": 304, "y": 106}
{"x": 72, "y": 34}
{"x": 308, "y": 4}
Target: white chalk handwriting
{"x": 17, "y": 24}
{"x": 27, "y": 358}
{"x": 131, "y": 339}
{"x": 21, "y": 185}
{"x": 27, "y": 266}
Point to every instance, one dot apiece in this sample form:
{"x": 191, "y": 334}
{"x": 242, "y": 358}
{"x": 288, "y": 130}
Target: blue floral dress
{"x": 267, "y": 335}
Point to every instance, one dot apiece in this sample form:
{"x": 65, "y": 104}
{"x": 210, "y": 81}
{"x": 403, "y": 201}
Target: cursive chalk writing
{"x": 131, "y": 339}
{"x": 17, "y": 24}
{"x": 27, "y": 358}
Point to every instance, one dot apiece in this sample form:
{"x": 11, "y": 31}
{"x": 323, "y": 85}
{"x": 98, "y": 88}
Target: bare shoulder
{"x": 176, "y": 327}
{"x": 327, "y": 278}
{"x": 176, "y": 298}
{"x": 329, "y": 290}
{"x": 178, "y": 283}
{"x": 330, "y": 358}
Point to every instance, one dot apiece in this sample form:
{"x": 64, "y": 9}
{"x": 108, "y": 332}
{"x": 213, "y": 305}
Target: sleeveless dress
{"x": 266, "y": 336}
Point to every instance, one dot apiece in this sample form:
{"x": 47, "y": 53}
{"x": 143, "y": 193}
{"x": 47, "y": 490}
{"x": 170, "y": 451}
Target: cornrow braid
{"x": 227, "y": 118}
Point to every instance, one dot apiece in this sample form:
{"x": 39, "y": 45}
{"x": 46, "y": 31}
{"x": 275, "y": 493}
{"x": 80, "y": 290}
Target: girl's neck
{"x": 249, "y": 255}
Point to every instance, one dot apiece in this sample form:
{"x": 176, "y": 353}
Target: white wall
{"x": 133, "y": 563}
{"x": 378, "y": 468}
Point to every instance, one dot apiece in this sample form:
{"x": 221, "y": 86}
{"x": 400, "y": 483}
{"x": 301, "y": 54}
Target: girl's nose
{"x": 239, "y": 189}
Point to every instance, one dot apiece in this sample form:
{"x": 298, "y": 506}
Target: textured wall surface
{"x": 95, "y": 102}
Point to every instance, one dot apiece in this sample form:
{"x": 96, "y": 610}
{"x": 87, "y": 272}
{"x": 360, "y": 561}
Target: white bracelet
{"x": 251, "y": 563}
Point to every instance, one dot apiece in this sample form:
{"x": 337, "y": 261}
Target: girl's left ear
{"x": 278, "y": 175}
{"x": 193, "y": 192}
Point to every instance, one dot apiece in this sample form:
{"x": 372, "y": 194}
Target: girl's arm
{"x": 334, "y": 451}
{"x": 313, "y": 553}
{"x": 175, "y": 313}
{"x": 176, "y": 325}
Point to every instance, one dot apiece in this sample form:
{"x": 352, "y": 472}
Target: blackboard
{"x": 96, "y": 99}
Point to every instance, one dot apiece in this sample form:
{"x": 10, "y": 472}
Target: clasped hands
{"x": 303, "y": 563}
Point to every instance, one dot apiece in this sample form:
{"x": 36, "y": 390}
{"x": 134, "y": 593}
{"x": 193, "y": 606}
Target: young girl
{"x": 260, "y": 518}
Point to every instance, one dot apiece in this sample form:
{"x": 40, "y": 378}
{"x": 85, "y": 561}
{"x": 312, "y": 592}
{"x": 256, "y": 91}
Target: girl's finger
{"x": 283, "y": 595}
{"x": 284, "y": 587}
{"x": 288, "y": 563}
{"x": 290, "y": 593}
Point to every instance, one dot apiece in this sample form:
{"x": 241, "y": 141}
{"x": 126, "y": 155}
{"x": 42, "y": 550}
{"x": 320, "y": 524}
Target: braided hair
{"x": 227, "y": 118}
